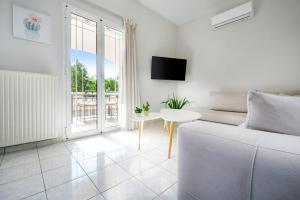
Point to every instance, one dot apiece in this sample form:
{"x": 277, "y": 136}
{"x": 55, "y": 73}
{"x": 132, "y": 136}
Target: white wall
{"x": 262, "y": 53}
{"x": 155, "y": 36}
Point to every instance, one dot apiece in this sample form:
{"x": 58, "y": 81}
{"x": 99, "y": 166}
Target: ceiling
{"x": 183, "y": 11}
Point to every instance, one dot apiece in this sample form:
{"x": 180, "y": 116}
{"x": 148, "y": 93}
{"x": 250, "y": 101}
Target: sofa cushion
{"x": 273, "y": 113}
{"x": 228, "y": 101}
{"x": 232, "y": 118}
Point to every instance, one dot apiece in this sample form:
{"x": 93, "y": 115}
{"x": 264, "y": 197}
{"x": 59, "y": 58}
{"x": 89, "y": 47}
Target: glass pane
{"x": 84, "y": 79}
{"x": 112, "y": 65}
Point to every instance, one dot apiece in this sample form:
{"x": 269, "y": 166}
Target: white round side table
{"x": 172, "y": 116}
{"x": 141, "y": 119}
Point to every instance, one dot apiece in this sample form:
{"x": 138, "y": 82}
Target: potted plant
{"x": 138, "y": 111}
{"x": 174, "y": 102}
{"x": 146, "y": 108}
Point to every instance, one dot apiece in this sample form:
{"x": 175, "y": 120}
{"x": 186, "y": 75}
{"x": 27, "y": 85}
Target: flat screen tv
{"x": 168, "y": 68}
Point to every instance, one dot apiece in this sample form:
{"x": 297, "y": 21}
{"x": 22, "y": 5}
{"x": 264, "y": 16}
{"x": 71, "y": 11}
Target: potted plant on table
{"x": 146, "y": 108}
{"x": 174, "y": 102}
{"x": 138, "y": 111}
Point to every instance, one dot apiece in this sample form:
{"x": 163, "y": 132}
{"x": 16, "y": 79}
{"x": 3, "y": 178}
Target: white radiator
{"x": 27, "y": 107}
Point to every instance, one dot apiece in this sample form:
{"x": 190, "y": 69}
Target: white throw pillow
{"x": 273, "y": 113}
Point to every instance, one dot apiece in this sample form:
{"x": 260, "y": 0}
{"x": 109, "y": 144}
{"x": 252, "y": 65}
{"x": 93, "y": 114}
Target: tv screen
{"x": 168, "y": 68}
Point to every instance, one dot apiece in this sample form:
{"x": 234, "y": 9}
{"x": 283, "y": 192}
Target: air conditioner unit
{"x": 236, "y": 14}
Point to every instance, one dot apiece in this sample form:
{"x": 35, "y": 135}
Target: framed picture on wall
{"x": 31, "y": 25}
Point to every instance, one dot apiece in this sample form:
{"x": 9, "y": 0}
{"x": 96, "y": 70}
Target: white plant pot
{"x": 138, "y": 114}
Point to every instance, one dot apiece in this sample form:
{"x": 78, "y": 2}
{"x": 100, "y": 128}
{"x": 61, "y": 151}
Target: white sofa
{"x": 223, "y": 162}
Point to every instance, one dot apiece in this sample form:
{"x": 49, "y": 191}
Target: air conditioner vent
{"x": 237, "y": 14}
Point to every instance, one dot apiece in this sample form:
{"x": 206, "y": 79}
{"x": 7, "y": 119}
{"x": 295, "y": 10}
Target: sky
{"x": 89, "y": 61}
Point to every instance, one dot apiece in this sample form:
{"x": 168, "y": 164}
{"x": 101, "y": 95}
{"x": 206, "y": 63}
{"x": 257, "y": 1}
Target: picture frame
{"x": 31, "y": 25}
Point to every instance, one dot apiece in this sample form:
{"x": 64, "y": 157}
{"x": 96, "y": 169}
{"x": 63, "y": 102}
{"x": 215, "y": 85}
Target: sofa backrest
{"x": 231, "y": 101}
{"x": 228, "y": 101}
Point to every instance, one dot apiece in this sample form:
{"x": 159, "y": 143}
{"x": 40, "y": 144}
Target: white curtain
{"x": 130, "y": 92}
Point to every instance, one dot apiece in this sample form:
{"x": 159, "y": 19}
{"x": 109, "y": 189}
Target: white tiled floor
{"x": 107, "y": 166}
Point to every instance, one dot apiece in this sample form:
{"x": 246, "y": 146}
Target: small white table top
{"x": 142, "y": 117}
{"x": 175, "y": 115}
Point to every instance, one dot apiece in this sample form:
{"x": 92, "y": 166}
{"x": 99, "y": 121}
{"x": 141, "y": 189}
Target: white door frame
{"x": 68, "y": 9}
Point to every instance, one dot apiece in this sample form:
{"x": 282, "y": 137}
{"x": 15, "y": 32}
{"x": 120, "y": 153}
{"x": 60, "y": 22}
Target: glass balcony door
{"x": 94, "y": 63}
{"x": 112, "y": 65}
{"x": 84, "y": 79}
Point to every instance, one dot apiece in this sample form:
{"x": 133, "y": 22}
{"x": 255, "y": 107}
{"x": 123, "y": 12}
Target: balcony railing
{"x": 84, "y": 112}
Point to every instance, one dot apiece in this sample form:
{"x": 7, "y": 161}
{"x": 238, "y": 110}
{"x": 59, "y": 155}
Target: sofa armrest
{"x": 217, "y": 161}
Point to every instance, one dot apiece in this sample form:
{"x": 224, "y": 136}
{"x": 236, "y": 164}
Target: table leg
{"x": 141, "y": 126}
{"x": 170, "y": 131}
{"x": 166, "y": 126}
